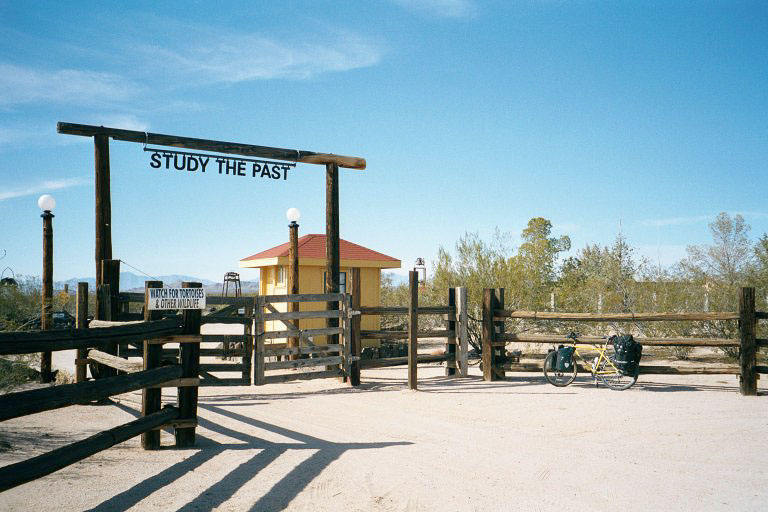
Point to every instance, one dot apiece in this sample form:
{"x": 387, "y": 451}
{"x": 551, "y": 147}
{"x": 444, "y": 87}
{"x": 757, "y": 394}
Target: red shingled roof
{"x": 313, "y": 246}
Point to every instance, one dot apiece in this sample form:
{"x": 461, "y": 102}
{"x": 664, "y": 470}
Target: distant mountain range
{"x": 130, "y": 282}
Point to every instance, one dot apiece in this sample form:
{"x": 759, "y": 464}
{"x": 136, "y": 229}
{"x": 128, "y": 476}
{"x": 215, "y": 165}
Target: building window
{"x": 342, "y": 281}
{"x": 281, "y": 275}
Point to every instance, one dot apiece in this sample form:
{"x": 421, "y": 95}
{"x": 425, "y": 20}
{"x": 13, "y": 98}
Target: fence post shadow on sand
{"x": 280, "y": 493}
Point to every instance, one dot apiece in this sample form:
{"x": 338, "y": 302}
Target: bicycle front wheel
{"x": 555, "y": 377}
{"x": 614, "y": 378}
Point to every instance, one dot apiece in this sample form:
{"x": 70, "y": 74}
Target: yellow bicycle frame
{"x": 596, "y": 364}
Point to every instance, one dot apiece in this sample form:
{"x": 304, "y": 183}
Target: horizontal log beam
{"x": 15, "y": 405}
{"x": 761, "y": 315}
{"x": 317, "y": 349}
{"x": 221, "y": 338}
{"x": 208, "y": 383}
{"x": 178, "y": 338}
{"x": 113, "y": 361}
{"x": 403, "y": 310}
{"x": 402, "y": 335}
{"x": 761, "y": 369}
{"x": 186, "y": 382}
{"x": 303, "y": 297}
{"x": 399, "y": 361}
{"x": 221, "y": 367}
{"x": 298, "y": 315}
{"x": 235, "y": 148}
{"x": 303, "y": 333}
{"x": 67, "y": 339}
{"x": 500, "y": 315}
{"x": 303, "y": 363}
{"x": 16, "y": 474}
{"x": 287, "y": 377}
{"x": 502, "y": 339}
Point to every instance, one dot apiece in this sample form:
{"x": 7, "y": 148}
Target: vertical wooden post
{"x": 248, "y": 344}
{"x": 189, "y": 356}
{"x": 46, "y": 321}
{"x": 103, "y": 203}
{"x": 499, "y": 353}
{"x": 355, "y": 328}
{"x": 110, "y": 275}
{"x": 104, "y": 312}
{"x": 293, "y": 278}
{"x": 110, "y": 279}
{"x": 258, "y": 364}
{"x": 748, "y": 353}
{"x": 332, "y": 257}
{"x": 450, "y": 342}
{"x": 81, "y": 322}
{"x": 413, "y": 328}
{"x": 104, "y": 302}
{"x": 153, "y": 354}
{"x": 488, "y": 333}
{"x": 462, "y": 317}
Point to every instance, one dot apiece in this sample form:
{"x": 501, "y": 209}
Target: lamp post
{"x": 293, "y": 215}
{"x": 47, "y": 203}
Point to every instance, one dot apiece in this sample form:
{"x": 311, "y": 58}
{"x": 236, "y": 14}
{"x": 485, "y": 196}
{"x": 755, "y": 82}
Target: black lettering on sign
{"x": 193, "y": 162}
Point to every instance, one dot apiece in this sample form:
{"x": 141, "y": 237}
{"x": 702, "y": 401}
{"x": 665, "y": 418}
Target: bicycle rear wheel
{"x": 555, "y": 377}
{"x": 614, "y": 378}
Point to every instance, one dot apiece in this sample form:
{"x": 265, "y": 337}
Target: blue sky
{"x": 645, "y": 117}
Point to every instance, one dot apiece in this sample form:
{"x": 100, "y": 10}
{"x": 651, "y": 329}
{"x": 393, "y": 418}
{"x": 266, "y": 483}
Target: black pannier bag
{"x": 628, "y": 353}
{"x": 565, "y": 359}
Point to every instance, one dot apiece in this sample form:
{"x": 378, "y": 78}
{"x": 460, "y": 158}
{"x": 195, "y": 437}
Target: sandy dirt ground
{"x": 671, "y": 442}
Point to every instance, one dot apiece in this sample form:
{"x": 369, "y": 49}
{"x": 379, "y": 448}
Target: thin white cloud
{"x": 697, "y": 219}
{"x": 239, "y": 58}
{"x": 123, "y": 121}
{"x": 20, "y": 85}
{"x": 441, "y": 8}
{"x": 42, "y": 187}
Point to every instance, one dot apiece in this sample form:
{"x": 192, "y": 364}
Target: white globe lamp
{"x": 293, "y": 215}
{"x": 46, "y": 202}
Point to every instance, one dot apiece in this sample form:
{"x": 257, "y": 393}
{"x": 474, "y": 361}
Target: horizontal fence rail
{"x": 306, "y": 297}
{"x": 398, "y": 361}
{"x": 47, "y": 463}
{"x": 67, "y": 339}
{"x": 402, "y": 310}
{"x": 22, "y": 403}
{"x": 502, "y": 339}
{"x": 403, "y": 335}
{"x": 615, "y": 317}
{"x": 298, "y": 315}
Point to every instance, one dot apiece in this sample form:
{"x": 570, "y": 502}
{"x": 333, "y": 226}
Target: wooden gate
{"x": 279, "y": 335}
{"x": 237, "y": 347}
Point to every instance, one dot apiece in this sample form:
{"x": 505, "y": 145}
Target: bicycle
{"x": 603, "y": 367}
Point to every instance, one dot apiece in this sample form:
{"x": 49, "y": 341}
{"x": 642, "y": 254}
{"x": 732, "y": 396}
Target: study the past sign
{"x": 176, "y": 298}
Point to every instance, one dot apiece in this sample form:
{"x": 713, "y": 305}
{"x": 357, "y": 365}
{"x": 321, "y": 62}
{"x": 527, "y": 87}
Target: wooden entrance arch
{"x": 102, "y": 134}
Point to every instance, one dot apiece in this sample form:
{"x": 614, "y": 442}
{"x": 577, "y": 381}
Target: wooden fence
{"x": 150, "y": 377}
{"x": 494, "y": 337}
{"x": 299, "y": 351}
{"x": 456, "y": 346}
{"x": 238, "y": 347}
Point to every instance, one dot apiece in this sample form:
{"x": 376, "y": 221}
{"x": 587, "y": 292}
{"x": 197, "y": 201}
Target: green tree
{"x": 535, "y": 264}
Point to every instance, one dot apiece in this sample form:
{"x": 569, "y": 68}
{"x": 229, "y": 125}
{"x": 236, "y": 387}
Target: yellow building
{"x": 273, "y": 277}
